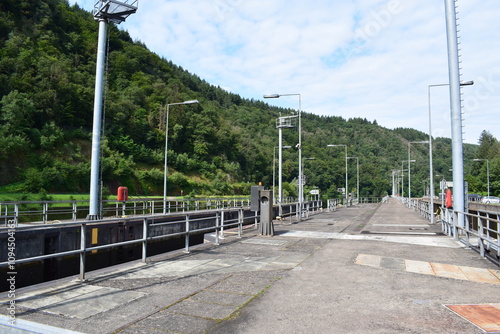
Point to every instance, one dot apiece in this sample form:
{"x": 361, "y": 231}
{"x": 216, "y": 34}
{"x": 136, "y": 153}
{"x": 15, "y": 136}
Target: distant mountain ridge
{"x": 221, "y": 146}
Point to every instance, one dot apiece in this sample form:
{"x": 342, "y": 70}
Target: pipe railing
{"x": 47, "y": 212}
{"x": 481, "y": 231}
{"x": 154, "y": 227}
{"x": 333, "y": 203}
{"x": 151, "y": 230}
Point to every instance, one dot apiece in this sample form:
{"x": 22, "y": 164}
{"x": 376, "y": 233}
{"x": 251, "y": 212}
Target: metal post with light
{"x": 165, "y": 172}
{"x": 299, "y": 146}
{"x": 455, "y": 112}
{"x": 403, "y": 177}
{"x": 431, "y": 166}
{"x": 487, "y": 172}
{"x": 104, "y": 11}
{"x": 280, "y": 168}
{"x": 357, "y": 177}
{"x": 409, "y": 159}
{"x": 304, "y": 183}
{"x": 346, "y": 187}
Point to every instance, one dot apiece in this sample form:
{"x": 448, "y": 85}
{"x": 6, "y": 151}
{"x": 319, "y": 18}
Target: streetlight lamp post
{"x": 431, "y": 167}
{"x": 166, "y": 151}
{"x": 357, "y": 177}
{"x": 403, "y": 177}
{"x": 409, "y": 178}
{"x": 487, "y": 172}
{"x": 346, "y": 187}
{"x": 276, "y": 96}
{"x": 103, "y": 13}
{"x": 304, "y": 177}
{"x": 280, "y": 183}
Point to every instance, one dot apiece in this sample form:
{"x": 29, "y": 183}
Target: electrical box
{"x": 266, "y": 212}
{"x": 255, "y": 197}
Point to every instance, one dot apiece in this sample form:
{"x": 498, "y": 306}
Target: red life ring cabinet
{"x": 122, "y": 195}
{"x": 449, "y": 199}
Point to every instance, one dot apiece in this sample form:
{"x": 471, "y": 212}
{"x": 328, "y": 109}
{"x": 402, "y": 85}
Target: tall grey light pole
{"x": 487, "y": 171}
{"x": 303, "y": 164}
{"x": 299, "y": 145}
{"x": 346, "y": 187}
{"x": 456, "y": 111}
{"x": 280, "y": 168}
{"x": 165, "y": 172}
{"x": 431, "y": 166}
{"x": 104, "y": 12}
{"x": 403, "y": 177}
{"x": 409, "y": 144}
{"x": 357, "y": 177}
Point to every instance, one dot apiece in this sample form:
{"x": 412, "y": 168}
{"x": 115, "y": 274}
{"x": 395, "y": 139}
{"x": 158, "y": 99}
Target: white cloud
{"x": 372, "y": 59}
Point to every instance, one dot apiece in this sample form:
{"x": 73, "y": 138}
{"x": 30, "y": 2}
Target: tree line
{"x": 221, "y": 146}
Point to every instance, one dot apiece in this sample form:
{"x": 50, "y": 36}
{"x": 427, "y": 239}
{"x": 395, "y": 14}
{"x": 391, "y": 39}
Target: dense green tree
{"x": 222, "y": 145}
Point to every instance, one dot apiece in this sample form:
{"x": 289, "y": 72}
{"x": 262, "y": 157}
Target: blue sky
{"x": 372, "y": 59}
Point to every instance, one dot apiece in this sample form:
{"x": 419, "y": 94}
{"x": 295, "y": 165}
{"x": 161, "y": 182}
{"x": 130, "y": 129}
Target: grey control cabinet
{"x": 266, "y": 212}
{"x": 255, "y": 197}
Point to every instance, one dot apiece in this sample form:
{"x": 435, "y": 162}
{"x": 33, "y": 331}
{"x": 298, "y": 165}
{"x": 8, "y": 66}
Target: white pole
{"x": 96, "y": 130}
{"x": 456, "y": 114}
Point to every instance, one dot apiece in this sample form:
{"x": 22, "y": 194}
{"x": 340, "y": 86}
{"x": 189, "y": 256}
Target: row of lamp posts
{"x": 431, "y": 170}
{"x": 301, "y": 161}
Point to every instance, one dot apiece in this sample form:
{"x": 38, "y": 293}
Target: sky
{"x": 372, "y": 59}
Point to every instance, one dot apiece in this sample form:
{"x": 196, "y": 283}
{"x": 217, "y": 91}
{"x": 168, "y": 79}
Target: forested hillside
{"x": 220, "y": 146}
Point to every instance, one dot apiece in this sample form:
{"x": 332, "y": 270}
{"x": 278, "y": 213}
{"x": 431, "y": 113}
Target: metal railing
{"x": 334, "y": 203}
{"x": 152, "y": 229}
{"x": 481, "y": 231}
{"x": 46, "y": 212}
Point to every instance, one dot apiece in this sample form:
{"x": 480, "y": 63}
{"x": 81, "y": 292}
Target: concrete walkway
{"x": 372, "y": 268}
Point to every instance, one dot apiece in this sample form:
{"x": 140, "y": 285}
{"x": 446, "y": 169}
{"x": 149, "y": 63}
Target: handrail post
{"x": 240, "y": 222}
{"x": 82, "y": 251}
{"x": 455, "y": 227}
{"x": 145, "y": 239}
{"x": 222, "y": 224}
{"x": 186, "y": 240}
{"x": 480, "y": 232}
{"x": 45, "y": 207}
{"x": 16, "y": 213}
{"x": 217, "y": 225}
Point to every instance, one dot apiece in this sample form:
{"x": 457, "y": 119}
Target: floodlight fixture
{"x": 271, "y": 96}
{"x": 114, "y": 10}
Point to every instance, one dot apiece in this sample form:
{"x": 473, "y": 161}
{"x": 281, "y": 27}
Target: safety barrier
{"x": 333, "y": 203}
{"x": 153, "y": 228}
{"x": 47, "y": 212}
{"x": 480, "y": 232}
